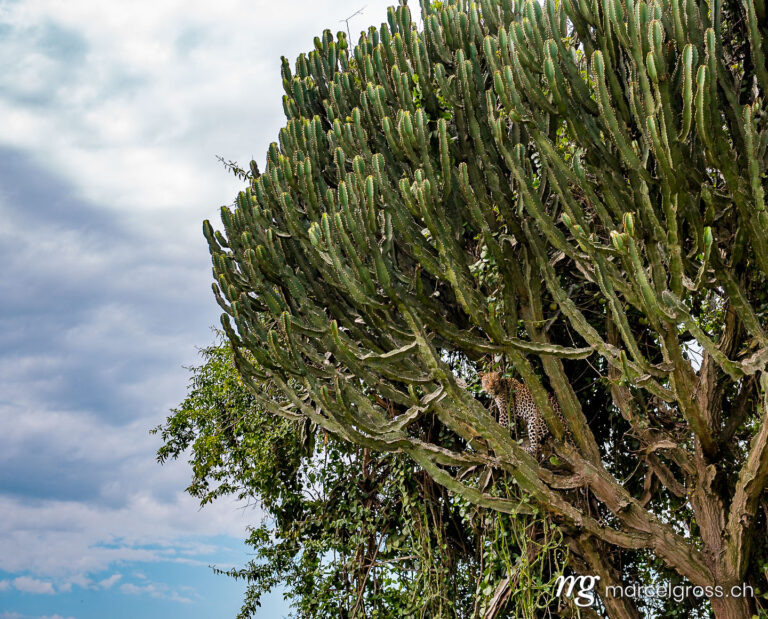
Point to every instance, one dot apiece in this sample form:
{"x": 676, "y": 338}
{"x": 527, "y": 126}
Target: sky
{"x": 111, "y": 118}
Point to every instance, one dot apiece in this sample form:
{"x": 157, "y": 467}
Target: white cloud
{"x": 5, "y": 585}
{"x": 32, "y": 585}
{"x": 71, "y": 539}
{"x": 108, "y": 583}
{"x": 155, "y": 590}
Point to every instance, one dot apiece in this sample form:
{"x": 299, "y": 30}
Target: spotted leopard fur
{"x": 509, "y": 393}
{"x": 499, "y": 389}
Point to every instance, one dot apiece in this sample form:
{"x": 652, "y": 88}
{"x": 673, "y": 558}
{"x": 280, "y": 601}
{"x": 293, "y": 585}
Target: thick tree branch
{"x": 753, "y": 479}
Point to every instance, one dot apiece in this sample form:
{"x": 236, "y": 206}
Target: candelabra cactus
{"x": 605, "y": 157}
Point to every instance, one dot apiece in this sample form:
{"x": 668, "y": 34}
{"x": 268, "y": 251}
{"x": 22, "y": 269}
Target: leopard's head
{"x": 491, "y": 382}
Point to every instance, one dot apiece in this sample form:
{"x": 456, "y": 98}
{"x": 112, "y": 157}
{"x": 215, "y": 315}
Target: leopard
{"x": 510, "y": 393}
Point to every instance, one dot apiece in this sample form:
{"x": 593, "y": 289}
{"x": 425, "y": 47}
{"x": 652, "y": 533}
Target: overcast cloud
{"x": 112, "y": 114}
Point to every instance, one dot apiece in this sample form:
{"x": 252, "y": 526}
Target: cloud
{"x": 107, "y": 583}
{"x": 152, "y": 91}
{"x": 83, "y": 378}
{"x": 155, "y": 590}
{"x": 112, "y": 116}
{"x": 32, "y": 585}
{"x": 71, "y": 540}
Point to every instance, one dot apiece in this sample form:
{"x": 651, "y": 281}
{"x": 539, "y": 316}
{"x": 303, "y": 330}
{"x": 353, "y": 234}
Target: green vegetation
{"x": 571, "y": 191}
{"x": 346, "y": 531}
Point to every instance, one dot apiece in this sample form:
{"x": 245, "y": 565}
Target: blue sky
{"x": 112, "y": 115}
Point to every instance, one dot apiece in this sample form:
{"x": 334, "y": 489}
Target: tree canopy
{"x": 569, "y": 191}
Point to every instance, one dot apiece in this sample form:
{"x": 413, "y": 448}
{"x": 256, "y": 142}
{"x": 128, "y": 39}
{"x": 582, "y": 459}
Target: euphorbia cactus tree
{"x": 572, "y": 188}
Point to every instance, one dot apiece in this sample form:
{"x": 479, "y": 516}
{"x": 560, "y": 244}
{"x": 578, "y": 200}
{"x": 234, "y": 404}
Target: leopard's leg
{"x": 502, "y": 408}
{"x": 532, "y": 449}
{"x": 496, "y": 410}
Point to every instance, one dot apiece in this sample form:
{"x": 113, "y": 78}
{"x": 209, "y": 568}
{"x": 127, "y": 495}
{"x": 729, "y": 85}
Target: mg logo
{"x": 580, "y": 588}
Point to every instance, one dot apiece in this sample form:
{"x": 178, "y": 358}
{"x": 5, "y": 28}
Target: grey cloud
{"x": 59, "y": 54}
{"x": 93, "y": 324}
{"x": 62, "y": 44}
{"x": 106, "y": 171}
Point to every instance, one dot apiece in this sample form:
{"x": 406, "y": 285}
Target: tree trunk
{"x": 731, "y": 607}
{"x": 599, "y": 562}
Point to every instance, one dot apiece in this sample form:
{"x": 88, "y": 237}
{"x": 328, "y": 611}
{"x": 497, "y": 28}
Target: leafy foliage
{"x": 346, "y": 531}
